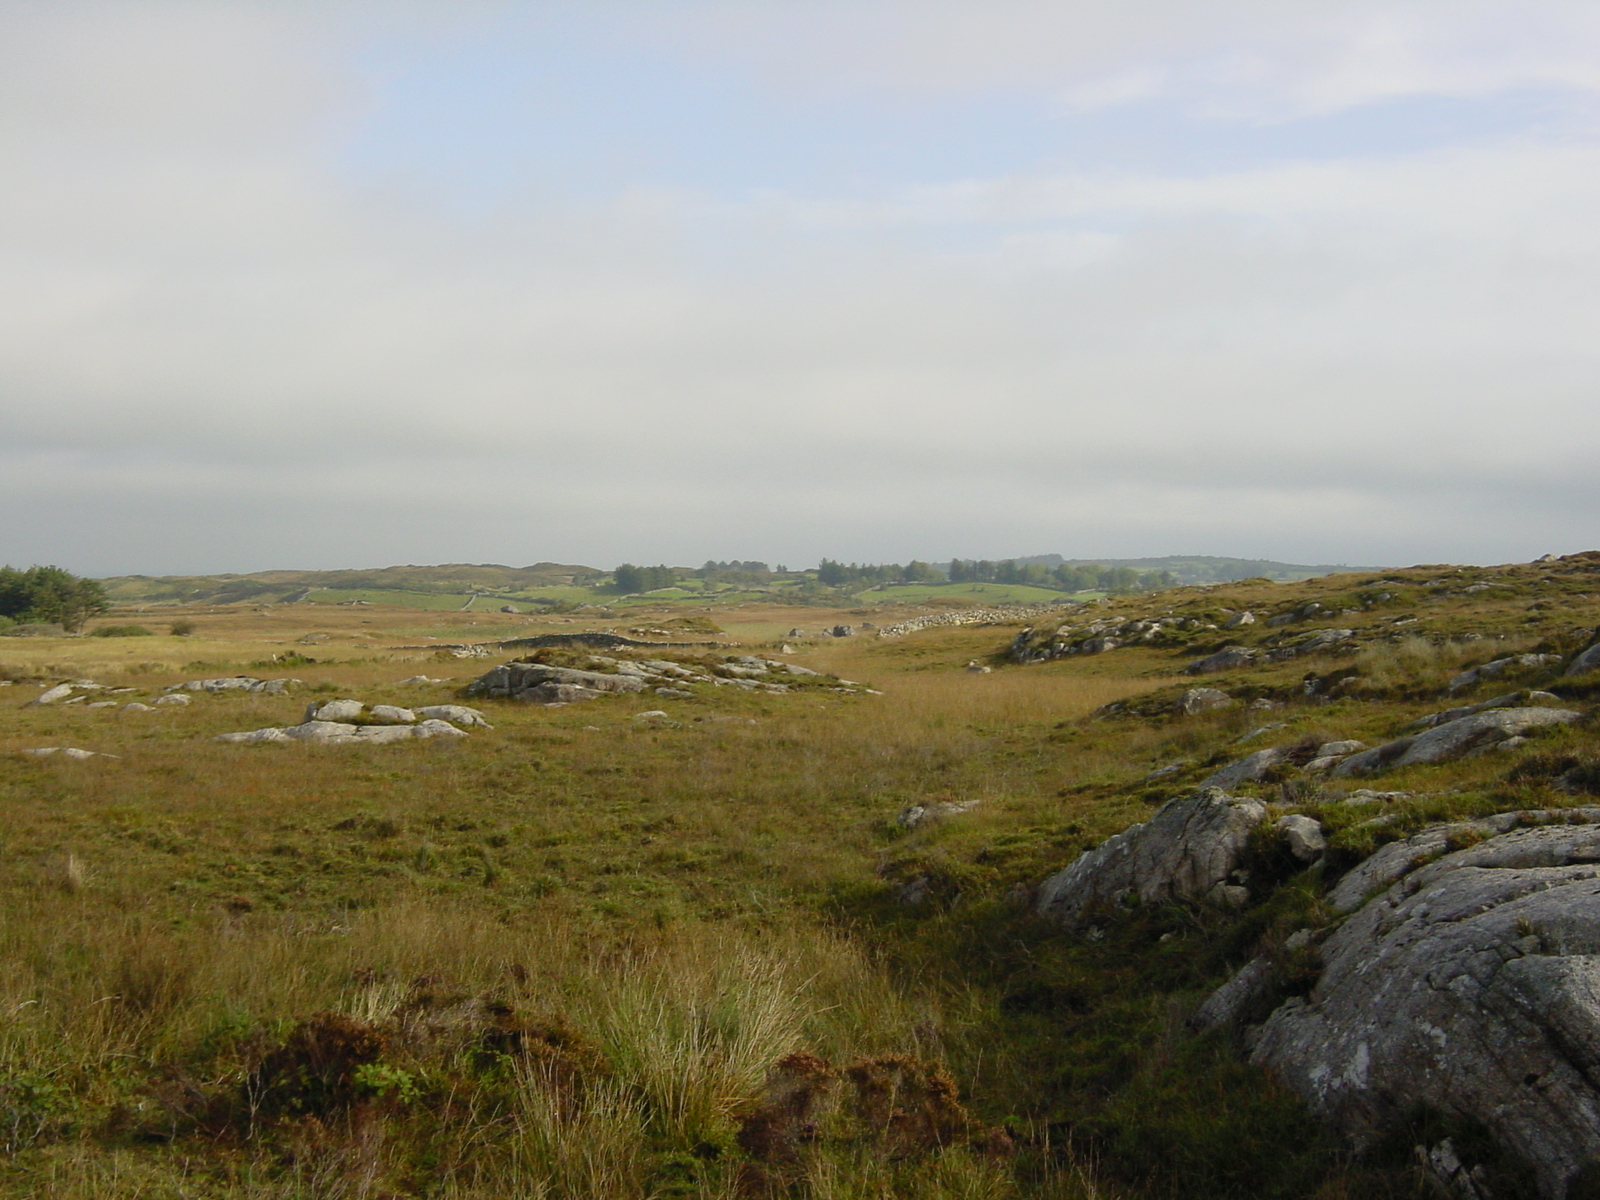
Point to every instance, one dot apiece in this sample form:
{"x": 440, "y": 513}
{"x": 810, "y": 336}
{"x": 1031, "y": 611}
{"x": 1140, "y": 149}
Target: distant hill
{"x": 279, "y": 586}
{"x": 414, "y": 585}
{"x": 1203, "y": 568}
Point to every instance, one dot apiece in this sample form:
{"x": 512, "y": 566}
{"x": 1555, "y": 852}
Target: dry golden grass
{"x": 168, "y": 909}
{"x": 695, "y": 897}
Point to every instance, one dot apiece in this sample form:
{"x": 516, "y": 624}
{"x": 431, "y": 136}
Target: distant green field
{"x": 569, "y": 594}
{"x": 437, "y": 601}
{"x": 982, "y": 593}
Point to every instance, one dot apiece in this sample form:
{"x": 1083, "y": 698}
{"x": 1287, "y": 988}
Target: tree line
{"x": 630, "y": 579}
{"x": 49, "y": 595}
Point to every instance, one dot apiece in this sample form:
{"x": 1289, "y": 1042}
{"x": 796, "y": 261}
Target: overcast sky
{"x": 332, "y": 284}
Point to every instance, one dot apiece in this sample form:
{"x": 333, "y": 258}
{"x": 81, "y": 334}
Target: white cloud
{"x": 220, "y": 350}
{"x": 1262, "y": 58}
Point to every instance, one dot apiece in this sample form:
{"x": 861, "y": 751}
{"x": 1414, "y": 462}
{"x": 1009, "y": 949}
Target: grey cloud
{"x": 232, "y": 355}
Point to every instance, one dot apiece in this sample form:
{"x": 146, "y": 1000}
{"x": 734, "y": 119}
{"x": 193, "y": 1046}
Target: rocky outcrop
{"x": 53, "y": 695}
{"x": 1496, "y": 729}
{"x": 1470, "y": 985}
{"x": 72, "y": 752}
{"x": 75, "y": 691}
{"x": 456, "y": 714}
{"x": 1225, "y": 659}
{"x": 335, "y": 710}
{"x": 1323, "y": 639}
{"x": 1186, "y": 851}
{"x": 1249, "y": 769}
{"x": 1098, "y": 636}
{"x": 1510, "y": 700}
{"x": 1303, "y": 835}
{"x": 1500, "y": 666}
{"x": 237, "y": 683}
{"x": 516, "y": 679}
{"x": 341, "y": 734}
{"x": 1588, "y": 661}
{"x": 539, "y": 683}
{"x": 354, "y": 712}
{"x": 1203, "y": 699}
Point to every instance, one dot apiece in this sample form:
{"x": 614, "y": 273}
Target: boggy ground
{"x": 591, "y": 954}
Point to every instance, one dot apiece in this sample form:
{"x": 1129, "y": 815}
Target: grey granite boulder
{"x": 1186, "y": 851}
{"x": 320, "y": 731}
{"x": 380, "y": 735}
{"x": 1203, "y": 699}
{"x": 1303, "y": 835}
{"x": 335, "y": 710}
{"x": 1323, "y": 639}
{"x": 1588, "y": 661}
{"x": 558, "y": 693}
{"x": 72, "y": 752}
{"x": 1454, "y": 739}
{"x": 236, "y": 683}
{"x": 336, "y": 733}
{"x": 1472, "y": 986}
{"x": 1489, "y": 670}
{"x": 433, "y": 728}
{"x": 1525, "y": 699}
{"x": 1225, "y": 1005}
{"x": 1223, "y": 660}
{"x": 272, "y": 734}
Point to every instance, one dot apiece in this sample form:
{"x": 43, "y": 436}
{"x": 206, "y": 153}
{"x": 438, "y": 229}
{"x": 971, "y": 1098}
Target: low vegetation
{"x": 595, "y": 953}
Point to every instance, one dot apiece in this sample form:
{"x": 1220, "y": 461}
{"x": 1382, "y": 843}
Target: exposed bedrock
{"x": 1471, "y": 985}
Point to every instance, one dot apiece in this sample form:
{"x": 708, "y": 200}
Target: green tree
{"x": 50, "y": 594}
{"x": 629, "y": 579}
{"x": 832, "y": 573}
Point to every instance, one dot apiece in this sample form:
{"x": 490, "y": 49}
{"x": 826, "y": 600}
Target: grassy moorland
{"x": 592, "y": 953}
